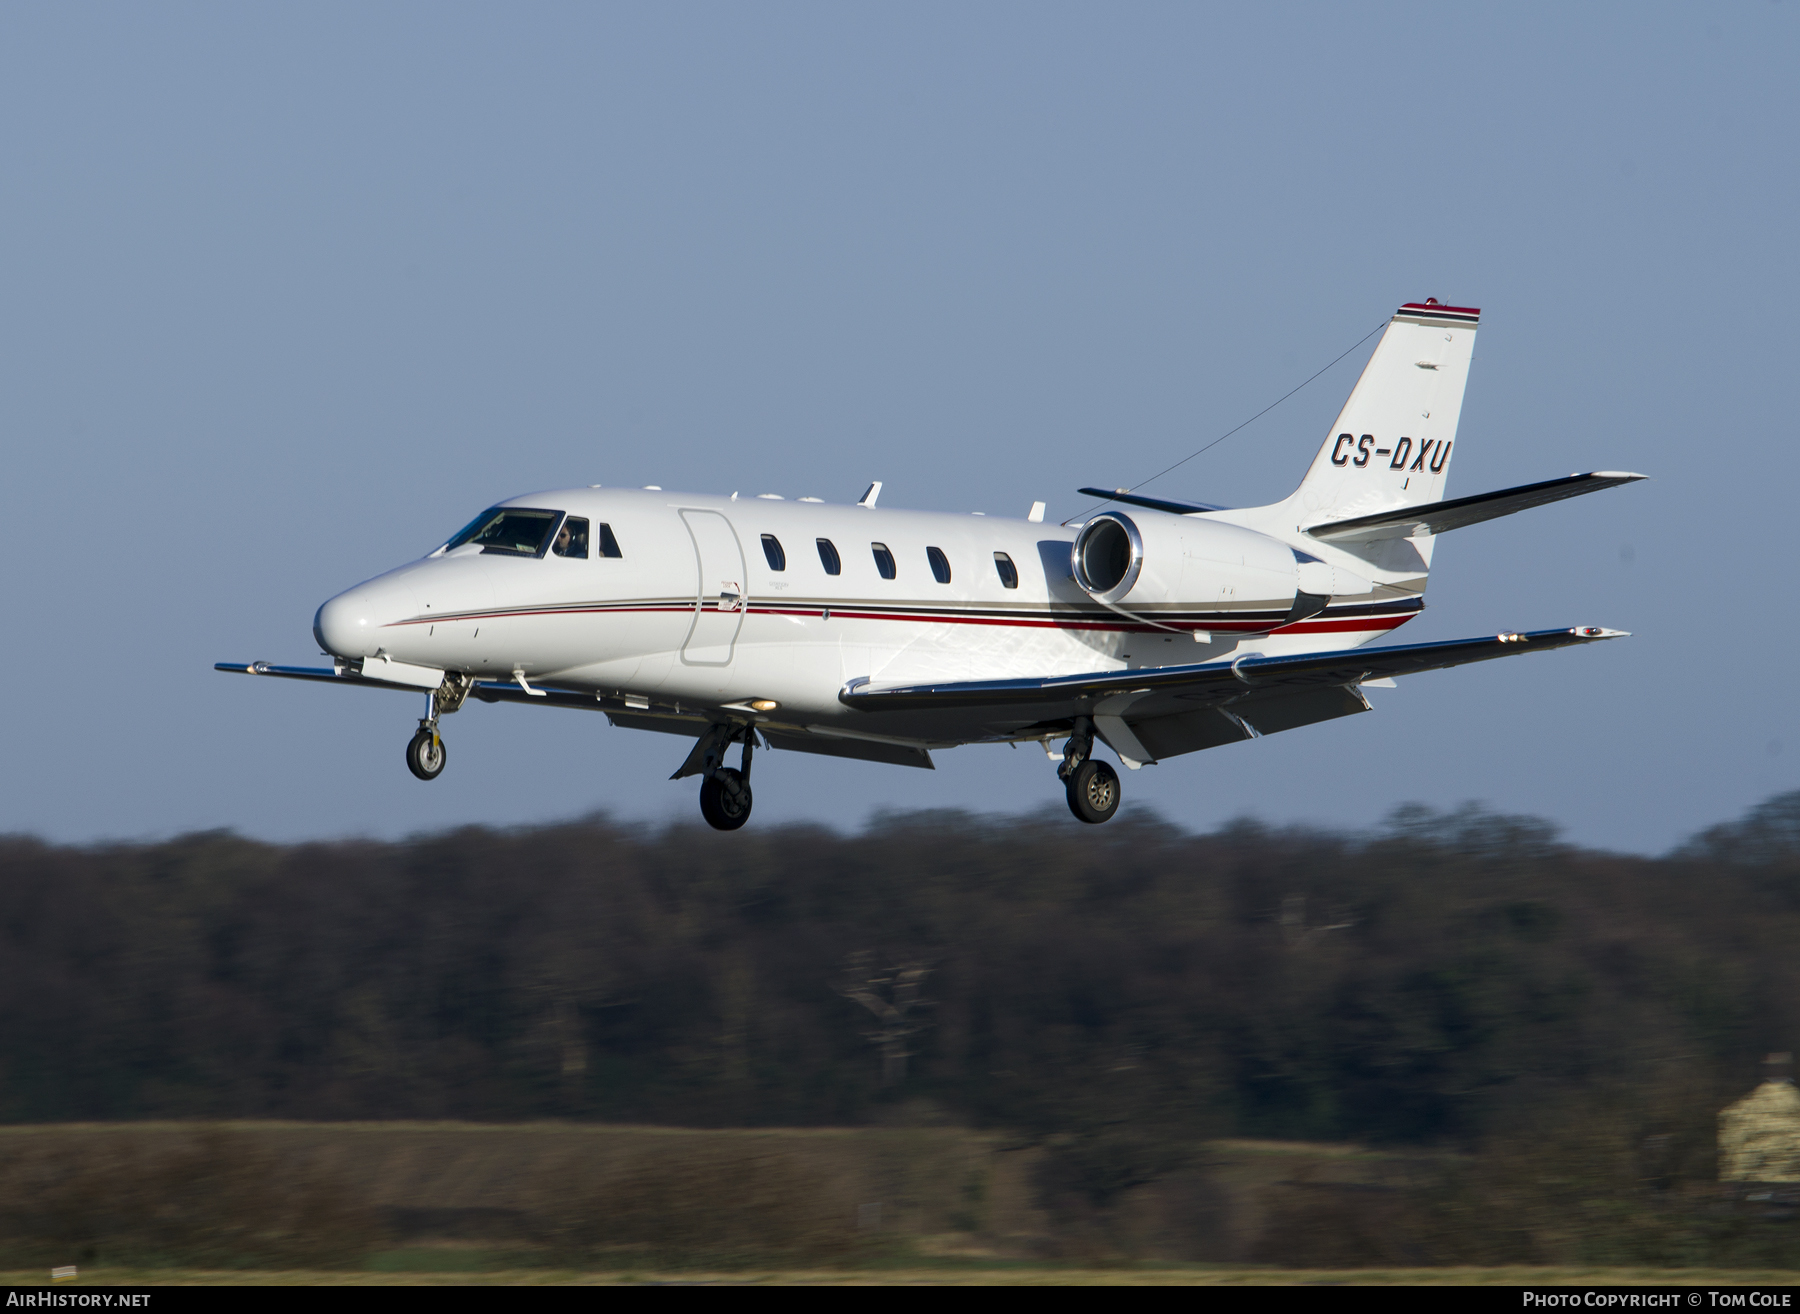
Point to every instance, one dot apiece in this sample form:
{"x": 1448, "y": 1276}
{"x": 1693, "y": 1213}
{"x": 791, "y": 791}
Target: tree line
{"x": 1444, "y": 979}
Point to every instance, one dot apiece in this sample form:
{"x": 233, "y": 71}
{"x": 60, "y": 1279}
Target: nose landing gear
{"x": 425, "y": 753}
{"x": 1093, "y": 786}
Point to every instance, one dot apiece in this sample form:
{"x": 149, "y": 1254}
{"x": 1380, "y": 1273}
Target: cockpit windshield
{"x": 520, "y": 531}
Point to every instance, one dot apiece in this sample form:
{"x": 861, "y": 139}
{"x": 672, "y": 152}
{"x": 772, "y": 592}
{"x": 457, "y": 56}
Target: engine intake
{"x": 1151, "y": 563}
{"x": 1108, "y": 555}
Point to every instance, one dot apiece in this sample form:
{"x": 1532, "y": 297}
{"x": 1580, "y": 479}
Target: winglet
{"x": 869, "y": 495}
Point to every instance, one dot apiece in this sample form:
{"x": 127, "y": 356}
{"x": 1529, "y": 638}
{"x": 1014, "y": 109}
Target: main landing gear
{"x": 724, "y": 791}
{"x": 1093, "y": 786}
{"x": 425, "y": 753}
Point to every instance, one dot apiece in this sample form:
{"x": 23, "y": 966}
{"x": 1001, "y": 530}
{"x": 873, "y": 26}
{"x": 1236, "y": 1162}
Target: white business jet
{"x": 1155, "y": 627}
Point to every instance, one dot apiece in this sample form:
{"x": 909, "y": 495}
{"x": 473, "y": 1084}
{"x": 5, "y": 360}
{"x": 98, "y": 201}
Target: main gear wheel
{"x": 1093, "y": 792}
{"x": 725, "y": 799}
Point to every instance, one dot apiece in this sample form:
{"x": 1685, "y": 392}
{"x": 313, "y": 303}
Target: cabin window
{"x": 609, "y": 546}
{"x": 517, "y": 531}
{"x": 828, "y": 558}
{"x": 884, "y": 560}
{"x": 772, "y": 550}
{"x": 940, "y": 564}
{"x": 572, "y": 538}
{"x": 1009, "y": 573}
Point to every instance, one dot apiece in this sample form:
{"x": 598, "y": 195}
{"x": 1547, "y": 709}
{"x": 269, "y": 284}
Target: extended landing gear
{"x": 1093, "y": 786}
{"x": 725, "y": 798}
{"x": 425, "y": 753}
{"x": 724, "y": 791}
{"x": 1093, "y": 792}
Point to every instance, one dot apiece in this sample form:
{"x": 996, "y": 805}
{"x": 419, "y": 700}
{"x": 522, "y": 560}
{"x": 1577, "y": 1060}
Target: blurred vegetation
{"x": 1557, "y": 1026}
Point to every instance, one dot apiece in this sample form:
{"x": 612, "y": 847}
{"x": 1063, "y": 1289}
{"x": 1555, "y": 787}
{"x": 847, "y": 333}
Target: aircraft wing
{"x": 669, "y": 718}
{"x": 488, "y": 691}
{"x": 1144, "y": 714}
{"x": 1436, "y": 517}
{"x": 1164, "y": 711}
{"x": 1226, "y": 680}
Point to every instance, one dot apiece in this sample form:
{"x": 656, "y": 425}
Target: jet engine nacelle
{"x": 1153, "y": 557}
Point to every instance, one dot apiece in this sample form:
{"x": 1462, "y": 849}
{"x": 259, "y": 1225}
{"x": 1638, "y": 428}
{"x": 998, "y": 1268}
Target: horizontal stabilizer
{"x": 1154, "y": 503}
{"x": 1436, "y": 517}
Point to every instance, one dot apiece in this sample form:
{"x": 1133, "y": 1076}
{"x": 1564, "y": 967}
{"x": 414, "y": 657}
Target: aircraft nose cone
{"x": 342, "y": 627}
{"x": 352, "y": 624}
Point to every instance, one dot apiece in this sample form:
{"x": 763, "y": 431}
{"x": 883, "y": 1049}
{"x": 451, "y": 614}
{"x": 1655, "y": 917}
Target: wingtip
{"x": 1599, "y": 632}
{"x": 1623, "y": 476}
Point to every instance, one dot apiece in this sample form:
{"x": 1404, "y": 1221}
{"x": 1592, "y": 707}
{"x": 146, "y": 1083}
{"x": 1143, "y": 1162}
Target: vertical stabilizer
{"x": 1392, "y": 443}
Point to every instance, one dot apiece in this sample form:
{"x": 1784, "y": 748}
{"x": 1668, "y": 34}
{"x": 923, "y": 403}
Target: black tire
{"x": 1094, "y": 792}
{"x": 426, "y": 755}
{"x": 725, "y": 799}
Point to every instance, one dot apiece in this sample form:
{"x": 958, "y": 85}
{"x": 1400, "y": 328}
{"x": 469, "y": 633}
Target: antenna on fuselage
{"x": 869, "y": 495}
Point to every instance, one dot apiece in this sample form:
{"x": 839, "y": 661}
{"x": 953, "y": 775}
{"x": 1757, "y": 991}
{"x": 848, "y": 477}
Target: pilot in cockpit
{"x": 572, "y": 538}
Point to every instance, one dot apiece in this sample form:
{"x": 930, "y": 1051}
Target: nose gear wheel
{"x": 426, "y": 755}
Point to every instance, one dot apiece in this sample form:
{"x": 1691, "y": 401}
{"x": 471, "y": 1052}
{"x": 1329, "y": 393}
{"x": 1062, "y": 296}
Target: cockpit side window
{"x": 572, "y": 538}
{"x": 513, "y": 530}
{"x": 609, "y": 546}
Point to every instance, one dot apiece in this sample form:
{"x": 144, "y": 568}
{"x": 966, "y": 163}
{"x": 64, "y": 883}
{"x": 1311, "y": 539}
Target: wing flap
{"x": 1288, "y": 709}
{"x": 661, "y": 723}
{"x": 1437, "y": 517}
{"x": 861, "y": 750}
{"x": 1189, "y": 732}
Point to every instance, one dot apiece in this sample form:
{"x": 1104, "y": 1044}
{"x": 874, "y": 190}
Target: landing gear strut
{"x": 1093, "y": 786}
{"x": 426, "y": 754}
{"x": 725, "y": 792}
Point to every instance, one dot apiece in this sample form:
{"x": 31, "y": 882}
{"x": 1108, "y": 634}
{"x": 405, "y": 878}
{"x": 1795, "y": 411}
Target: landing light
{"x": 763, "y": 704}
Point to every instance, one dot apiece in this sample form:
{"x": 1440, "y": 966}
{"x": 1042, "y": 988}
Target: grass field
{"x": 411, "y": 1203}
{"x": 472, "y": 1197}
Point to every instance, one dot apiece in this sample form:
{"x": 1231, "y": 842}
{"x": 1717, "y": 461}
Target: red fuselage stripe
{"x": 1313, "y": 626}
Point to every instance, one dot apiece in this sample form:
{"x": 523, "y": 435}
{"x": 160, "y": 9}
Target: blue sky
{"x": 291, "y": 292}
